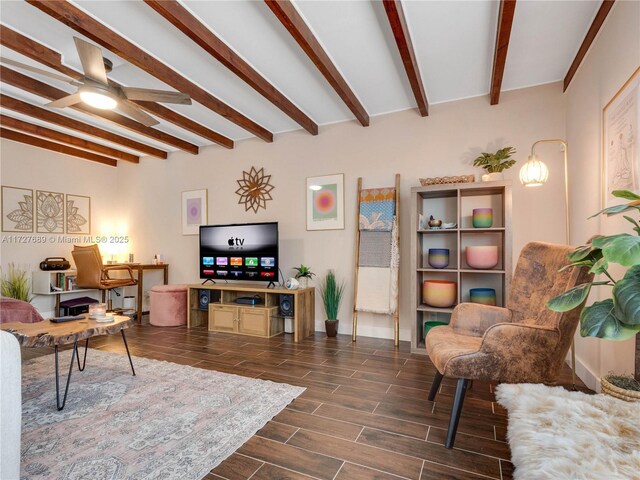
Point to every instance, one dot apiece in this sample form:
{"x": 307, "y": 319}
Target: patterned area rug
{"x": 557, "y": 434}
{"x": 168, "y": 422}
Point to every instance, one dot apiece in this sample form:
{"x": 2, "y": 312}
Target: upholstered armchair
{"x": 524, "y": 342}
{"x": 93, "y": 274}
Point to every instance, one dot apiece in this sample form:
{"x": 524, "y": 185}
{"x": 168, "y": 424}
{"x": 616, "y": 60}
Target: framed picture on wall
{"x": 78, "y": 214}
{"x": 49, "y": 212}
{"x": 621, "y": 155}
{"x": 194, "y": 211}
{"x": 325, "y": 202}
{"x": 17, "y": 209}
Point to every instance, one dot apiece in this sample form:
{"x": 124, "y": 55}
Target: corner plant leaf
{"x": 623, "y": 249}
{"x": 625, "y": 194}
{"x": 626, "y": 294}
{"x": 570, "y": 299}
{"x": 599, "y": 267}
{"x": 581, "y": 253}
{"x": 599, "y": 320}
{"x": 615, "y": 209}
{"x": 635, "y": 224}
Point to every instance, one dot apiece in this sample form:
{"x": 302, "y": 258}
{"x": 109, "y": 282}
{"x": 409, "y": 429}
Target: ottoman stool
{"x": 168, "y": 307}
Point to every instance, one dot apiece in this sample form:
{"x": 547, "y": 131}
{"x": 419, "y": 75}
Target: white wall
{"x": 613, "y": 57}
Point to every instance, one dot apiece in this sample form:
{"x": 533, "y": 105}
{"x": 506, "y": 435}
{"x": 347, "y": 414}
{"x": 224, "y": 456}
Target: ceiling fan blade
{"x": 39, "y": 71}
{"x": 65, "y": 101}
{"x": 133, "y": 111}
{"x": 162, "y": 96}
{"x": 92, "y": 62}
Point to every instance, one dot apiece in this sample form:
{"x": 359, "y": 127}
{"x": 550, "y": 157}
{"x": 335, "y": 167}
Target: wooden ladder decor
{"x": 377, "y": 228}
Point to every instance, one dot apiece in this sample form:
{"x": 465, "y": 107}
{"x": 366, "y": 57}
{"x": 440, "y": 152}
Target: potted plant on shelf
{"x": 617, "y": 317}
{"x": 331, "y": 293}
{"x": 495, "y": 163}
{"x": 303, "y": 274}
{"x": 16, "y": 284}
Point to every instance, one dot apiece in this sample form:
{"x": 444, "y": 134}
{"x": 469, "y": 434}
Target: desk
{"x": 139, "y": 268}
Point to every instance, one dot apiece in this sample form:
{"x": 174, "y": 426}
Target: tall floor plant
{"x": 16, "y": 284}
{"x": 331, "y": 292}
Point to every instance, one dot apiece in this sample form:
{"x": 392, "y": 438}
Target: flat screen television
{"x": 239, "y": 252}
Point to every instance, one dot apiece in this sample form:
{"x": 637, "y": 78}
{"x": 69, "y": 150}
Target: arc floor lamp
{"x": 535, "y": 173}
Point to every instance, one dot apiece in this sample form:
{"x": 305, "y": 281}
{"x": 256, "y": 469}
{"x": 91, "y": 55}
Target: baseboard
{"x": 589, "y": 378}
{"x": 370, "y": 331}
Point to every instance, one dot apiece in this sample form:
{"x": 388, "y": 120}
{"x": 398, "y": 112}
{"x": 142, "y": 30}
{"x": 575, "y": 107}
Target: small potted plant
{"x": 16, "y": 284}
{"x": 303, "y": 274}
{"x": 495, "y": 163}
{"x": 617, "y": 317}
{"x": 331, "y": 293}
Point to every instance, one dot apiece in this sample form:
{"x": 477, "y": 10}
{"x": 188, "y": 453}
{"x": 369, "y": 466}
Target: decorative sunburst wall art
{"x": 17, "y": 209}
{"x": 78, "y": 214}
{"x": 49, "y": 212}
{"x": 254, "y": 189}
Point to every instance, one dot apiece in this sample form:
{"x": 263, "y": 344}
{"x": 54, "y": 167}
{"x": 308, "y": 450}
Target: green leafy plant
{"x": 618, "y": 317}
{"x": 331, "y": 292}
{"x": 496, "y": 162}
{"x": 16, "y": 284}
{"x": 303, "y": 271}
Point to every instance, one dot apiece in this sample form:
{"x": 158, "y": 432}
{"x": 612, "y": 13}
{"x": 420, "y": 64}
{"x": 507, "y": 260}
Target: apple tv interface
{"x": 239, "y": 252}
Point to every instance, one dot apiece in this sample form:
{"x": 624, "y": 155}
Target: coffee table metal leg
{"x": 84, "y": 361}
{"x": 124, "y": 339}
{"x": 66, "y": 390}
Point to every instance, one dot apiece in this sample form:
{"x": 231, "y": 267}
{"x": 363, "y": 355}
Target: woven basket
{"x": 610, "y": 389}
{"x": 425, "y": 182}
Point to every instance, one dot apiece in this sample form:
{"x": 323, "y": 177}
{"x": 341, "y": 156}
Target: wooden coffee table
{"x": 47, "y": 334}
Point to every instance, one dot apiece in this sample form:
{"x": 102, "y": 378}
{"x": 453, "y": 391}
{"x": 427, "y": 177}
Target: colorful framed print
{"x": 325, "y": 202}
{"x": 78, "y": 214}
{"x": 194, "y": 211}
{"x": 49, "y": 212}
{"x": 620, "y": 152}
{"x": 17, "y": 209}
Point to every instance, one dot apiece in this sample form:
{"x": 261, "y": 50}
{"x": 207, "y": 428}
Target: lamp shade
{"x": 98, "y": 98}
{"x": 534, "y": 173}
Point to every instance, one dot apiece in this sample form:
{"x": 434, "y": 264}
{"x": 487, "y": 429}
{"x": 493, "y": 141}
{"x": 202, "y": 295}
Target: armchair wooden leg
{"x": 461, "y": 389}
{"x": 435, "y": 385}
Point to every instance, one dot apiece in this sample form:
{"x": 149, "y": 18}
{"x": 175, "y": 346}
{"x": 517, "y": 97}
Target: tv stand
{"x": 262, "y": 319}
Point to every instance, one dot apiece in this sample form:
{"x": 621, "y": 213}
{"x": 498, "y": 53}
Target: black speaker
{"x": 286, "y": 305}
{"x": 206, "y": 296}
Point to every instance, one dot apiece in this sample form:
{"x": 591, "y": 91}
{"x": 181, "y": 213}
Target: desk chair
{"x": 93, "y": 274}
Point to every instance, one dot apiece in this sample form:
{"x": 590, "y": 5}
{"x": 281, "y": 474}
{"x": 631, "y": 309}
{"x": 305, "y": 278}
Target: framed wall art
{"x": 325, "y": 202}
{"x": 621, "y": 155}
{"x": 17, "y": 209}
{"x": 49, "y": 212}
{"x": 194, "y": 211}
{"x": 78, "y": 214}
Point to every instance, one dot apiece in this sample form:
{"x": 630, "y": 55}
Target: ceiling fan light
{"x": 98, "y": 98}
{"x": 534, "y": 173}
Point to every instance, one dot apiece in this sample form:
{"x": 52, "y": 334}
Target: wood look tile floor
{"x": 364, "y": 414}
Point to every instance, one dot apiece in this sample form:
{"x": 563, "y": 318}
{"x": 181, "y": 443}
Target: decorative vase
{"x": 429, "y": 325}
{"x": 438, "y": 257}
{"x": 482, "y": 257}
{"x": 331, "y": 327}
{"x": 439, "y": 293}
{"x": 303, "y": 281}
{"x": 492, "y": 177}
{"x": 482, "y": 217}
{"x": 484, "y": 296}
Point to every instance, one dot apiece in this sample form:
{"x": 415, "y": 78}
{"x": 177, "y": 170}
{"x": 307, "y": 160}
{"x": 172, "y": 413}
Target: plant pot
{"x": 492, "y": 177}
{"x": 331, "y": 327}
{"x": 609, "y": 388}
{"x": 304, "y": 282}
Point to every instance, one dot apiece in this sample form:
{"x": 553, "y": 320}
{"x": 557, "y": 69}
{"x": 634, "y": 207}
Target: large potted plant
{"x": 16, "y": 284}
{"x": 495, "y": 163}
{"x": 331, "y": 292}
{"x": 616, "y": 317}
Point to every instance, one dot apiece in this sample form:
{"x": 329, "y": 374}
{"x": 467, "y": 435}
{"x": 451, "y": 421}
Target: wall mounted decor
{"x": 620, "y": 152}
{"x": 325, "y": 202}
{"x": 17, "y": 209}
{"x": 49, "y": 212}
{"x": 78, "y": 214}
{"x": 254, "y": 189}
{"x": 194, "y": 211}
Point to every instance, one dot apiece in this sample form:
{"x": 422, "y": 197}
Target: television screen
{"x": 239, "y": 252}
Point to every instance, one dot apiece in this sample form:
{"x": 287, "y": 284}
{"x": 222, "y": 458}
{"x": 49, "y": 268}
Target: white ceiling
{"x": 453, "y": 40}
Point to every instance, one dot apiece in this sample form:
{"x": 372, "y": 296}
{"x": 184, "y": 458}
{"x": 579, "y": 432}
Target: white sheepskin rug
{"x": 557, "y": 434}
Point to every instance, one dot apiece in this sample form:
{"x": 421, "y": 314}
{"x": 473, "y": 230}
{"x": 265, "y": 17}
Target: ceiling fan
{"x": 95, "y": 90}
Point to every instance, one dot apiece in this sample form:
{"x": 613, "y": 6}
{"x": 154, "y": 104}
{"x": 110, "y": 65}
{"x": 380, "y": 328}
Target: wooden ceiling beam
{"x": 184, "y": 21}
{"x": 287, "y": 14}
{"x": 599, "y": 19}
{"x": 400, "y": 30}
{"x": 88, "y": 26}
{"x": 503, "y": 34}
{"x": 60, "y": 137}
{"x": 48, "y": 116}
{"x": 52, "y": 59}
{"x": 55, "y": 147}
{"x": 44, "y": 90}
